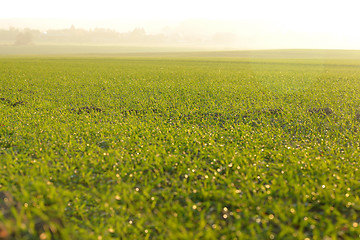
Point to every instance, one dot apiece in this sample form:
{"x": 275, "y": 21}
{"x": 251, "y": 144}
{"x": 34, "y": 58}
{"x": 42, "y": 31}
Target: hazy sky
{"x": 339, "y": 19}
{"x": 299, "y": 12}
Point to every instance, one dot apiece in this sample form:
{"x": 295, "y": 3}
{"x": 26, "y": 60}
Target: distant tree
{"x": 23, "y": 38}
{"x": 138, "y": 34}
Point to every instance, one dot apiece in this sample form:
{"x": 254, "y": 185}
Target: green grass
{"x": 180, "y": 148}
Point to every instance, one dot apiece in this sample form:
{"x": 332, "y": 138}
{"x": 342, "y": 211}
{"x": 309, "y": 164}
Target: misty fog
{"x": 221, "y": 34}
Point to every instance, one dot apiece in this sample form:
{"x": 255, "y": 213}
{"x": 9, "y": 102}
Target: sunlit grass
{"x": 179, "y": 148}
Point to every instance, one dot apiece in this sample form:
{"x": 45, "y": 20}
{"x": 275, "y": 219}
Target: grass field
{"x": 179, "y": 148}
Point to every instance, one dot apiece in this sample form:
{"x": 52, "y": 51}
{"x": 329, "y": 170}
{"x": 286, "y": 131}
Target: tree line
{"x": 76, "y": 35}
{"x": 102, "y": 36}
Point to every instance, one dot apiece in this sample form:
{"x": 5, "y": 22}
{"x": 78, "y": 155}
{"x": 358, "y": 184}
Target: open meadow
{"x": 130, "y": 147}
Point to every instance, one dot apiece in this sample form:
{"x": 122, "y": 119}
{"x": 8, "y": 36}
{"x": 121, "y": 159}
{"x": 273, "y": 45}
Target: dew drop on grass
{"x": 43, "y": 236}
